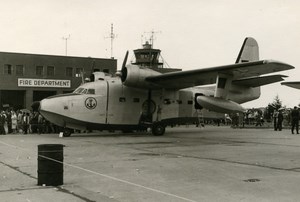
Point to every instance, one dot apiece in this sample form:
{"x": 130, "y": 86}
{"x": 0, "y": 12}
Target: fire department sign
{"x": 24, "y": 82}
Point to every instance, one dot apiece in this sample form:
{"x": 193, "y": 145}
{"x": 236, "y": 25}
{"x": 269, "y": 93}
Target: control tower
{"x": 150, "y": 58}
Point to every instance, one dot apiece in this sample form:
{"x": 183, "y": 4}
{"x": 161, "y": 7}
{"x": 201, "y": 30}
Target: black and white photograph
{"x": 145, "y": 101}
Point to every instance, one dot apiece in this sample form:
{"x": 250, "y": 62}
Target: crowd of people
{"x": 24, "y": 122}
{"x": 282, "y": 117}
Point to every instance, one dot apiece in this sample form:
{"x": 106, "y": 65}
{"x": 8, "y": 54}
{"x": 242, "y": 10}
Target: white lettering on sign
{"x": 54, "y": 83}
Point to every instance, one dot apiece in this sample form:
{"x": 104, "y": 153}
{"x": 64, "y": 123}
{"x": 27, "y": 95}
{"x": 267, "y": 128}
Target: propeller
{"x": 123, "y": 73}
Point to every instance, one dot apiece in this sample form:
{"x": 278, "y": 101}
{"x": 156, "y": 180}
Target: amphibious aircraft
{"x": 139, "y": 96}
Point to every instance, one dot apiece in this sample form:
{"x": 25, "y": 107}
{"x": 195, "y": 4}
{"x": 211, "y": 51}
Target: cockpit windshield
{"x": 84, "y": 91}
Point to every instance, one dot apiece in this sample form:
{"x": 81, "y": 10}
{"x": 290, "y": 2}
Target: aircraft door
{"x": 148, "y": 108}
{"x": 102, "y": 103}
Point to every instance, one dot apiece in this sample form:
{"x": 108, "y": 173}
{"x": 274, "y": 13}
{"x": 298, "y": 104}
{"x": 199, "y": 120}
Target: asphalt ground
{"x": 186, "y": 164}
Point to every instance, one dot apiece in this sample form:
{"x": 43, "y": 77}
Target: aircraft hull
{"x": 68, "y": 122}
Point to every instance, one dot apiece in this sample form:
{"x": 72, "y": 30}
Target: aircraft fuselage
{"x": 109, "y": 105}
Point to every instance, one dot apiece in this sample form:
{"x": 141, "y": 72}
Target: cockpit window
{"x": 78, "y": 90}
{"x": 84, "y": 91}
{"x": 91, "y": 91}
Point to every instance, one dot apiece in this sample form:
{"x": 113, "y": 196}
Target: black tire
{"x": 67, "y": 132}
{"x": 158, "y": 129}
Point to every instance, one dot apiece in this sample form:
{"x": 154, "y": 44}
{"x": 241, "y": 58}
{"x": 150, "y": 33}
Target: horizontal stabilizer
{"x": 258, "y": 81}
{"x": 293, "y": 84}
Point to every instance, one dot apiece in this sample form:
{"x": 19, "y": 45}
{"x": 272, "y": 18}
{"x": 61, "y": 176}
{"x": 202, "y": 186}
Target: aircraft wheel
{"x": 158, "y": 129}
{"x": 67, "y": 132}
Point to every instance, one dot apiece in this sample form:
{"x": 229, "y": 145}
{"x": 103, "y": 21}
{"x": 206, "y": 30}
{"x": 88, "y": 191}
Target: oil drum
{"x": 50, "y": 164}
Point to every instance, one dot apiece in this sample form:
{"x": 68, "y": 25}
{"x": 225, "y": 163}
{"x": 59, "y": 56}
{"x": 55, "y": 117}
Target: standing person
{"x": 2, "y": 122}
{"x": 8, "y": 120}
{"x": 34, "y": 122}
{"x": 25, "y": 123}
{"x": 295, "y": 119}
{"x": 275, "y": 117}
{"x": 279, "y": 120}
{"x": 4, "y": 117}
{"x": 258, "y": 120}
{"x": 14, "y": 121}
{"x": 40, "y": 124}
{"x": 19, "y": 121}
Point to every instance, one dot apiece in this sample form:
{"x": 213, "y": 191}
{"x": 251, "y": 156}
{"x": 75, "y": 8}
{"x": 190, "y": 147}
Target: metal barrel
{"x": 50, "y": 164}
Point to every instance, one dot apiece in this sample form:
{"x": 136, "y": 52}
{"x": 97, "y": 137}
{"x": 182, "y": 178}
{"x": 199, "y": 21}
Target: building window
{"x": 50, "y": 71}
{"x": 106, "y": 71}
{"x": 69, "y": 71}
{"x": 19, "y": 70}
{"x": 7, "y": 69}
{"x": 39, "y": 70}
{"x": 79, "y": 72}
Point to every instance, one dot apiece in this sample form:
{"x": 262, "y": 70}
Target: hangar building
{"x": 25, "y": 78}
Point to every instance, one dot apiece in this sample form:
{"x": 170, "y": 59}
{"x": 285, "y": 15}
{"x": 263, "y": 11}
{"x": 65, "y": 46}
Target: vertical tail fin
{"x": 249, "y": 51}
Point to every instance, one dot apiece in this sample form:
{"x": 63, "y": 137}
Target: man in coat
{"x": 295, "y": 119}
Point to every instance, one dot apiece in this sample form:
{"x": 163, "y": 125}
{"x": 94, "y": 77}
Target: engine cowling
{"x": 134, "y": 76}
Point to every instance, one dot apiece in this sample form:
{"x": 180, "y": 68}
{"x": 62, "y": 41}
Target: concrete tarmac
{"x": 186, "y": 164}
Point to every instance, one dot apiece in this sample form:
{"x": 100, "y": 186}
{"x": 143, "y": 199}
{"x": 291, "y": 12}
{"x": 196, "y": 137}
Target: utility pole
{"x": 66, "y": 43}
{"x": 112, "y": 36}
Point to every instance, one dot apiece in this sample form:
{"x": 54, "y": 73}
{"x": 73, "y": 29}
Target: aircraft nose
{"x": 50, "y": 105}
{"x": 51, "y": 109}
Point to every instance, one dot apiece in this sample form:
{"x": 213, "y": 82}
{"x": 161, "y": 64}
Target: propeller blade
{"x": 125, "y": 60}
{"x": 124, "y": 70}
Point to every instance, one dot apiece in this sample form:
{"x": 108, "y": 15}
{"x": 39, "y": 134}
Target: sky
{"x": 191, "y": 34}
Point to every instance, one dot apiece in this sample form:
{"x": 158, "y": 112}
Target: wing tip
{"x": 276, "y": 62}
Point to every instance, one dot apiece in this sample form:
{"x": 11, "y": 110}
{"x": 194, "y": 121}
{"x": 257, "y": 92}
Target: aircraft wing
{"x": 293, "y": 84}
{"x": 185, "y": 79}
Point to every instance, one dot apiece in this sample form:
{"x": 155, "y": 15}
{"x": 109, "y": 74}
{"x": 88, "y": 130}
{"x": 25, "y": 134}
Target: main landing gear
{"x": 67, "y": 132}
{"x": 158, "y": 129}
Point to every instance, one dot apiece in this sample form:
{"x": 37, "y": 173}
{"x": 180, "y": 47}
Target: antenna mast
{"x": 66, "y": 39}
{"x": 112, "y": 36}
{"x": 152, "y": 37}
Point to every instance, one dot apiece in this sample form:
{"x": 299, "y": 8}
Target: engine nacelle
{"x": 219, "y": 105}
{"x": 134, "y": 76}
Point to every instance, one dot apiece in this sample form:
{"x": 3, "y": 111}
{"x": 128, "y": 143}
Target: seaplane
{"x": 145, "y": 96}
